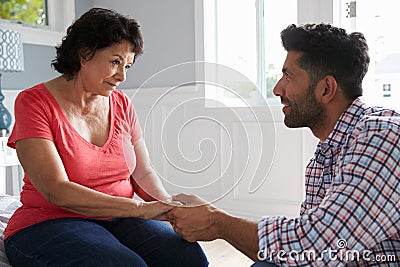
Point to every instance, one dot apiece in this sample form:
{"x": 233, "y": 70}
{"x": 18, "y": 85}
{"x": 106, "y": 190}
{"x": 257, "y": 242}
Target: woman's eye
{"x": 115, "y": 62}
{"x": 127, "y": 67}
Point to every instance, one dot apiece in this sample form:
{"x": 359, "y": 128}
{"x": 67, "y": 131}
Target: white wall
{"x": 239, "y": 150}
{"x": 245, "y": 160}
{"x": 315, "y": 11}
{"x": 235, "y": 146}
{"x": 168, "y": 30}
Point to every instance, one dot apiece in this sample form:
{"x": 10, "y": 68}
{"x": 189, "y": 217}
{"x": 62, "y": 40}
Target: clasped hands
{"x": 193, "y": 218}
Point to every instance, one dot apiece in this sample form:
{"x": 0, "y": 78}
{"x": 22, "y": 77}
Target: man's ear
{"x": 327, "y": 89}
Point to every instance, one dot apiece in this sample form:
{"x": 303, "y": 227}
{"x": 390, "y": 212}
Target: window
{"x": 32, "y": 12}
{"x": 377, "y": 21}
{"x": 55, "y": 17}
{"x": 244, "y": 35}
{"x": 277, "y": 15}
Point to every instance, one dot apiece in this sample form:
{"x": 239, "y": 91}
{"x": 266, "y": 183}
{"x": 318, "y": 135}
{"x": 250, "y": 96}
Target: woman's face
{"x": 107, "y": 68}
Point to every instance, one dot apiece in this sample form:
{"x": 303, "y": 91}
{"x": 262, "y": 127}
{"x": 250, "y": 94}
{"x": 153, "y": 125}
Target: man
{"x": 350, "y": 216}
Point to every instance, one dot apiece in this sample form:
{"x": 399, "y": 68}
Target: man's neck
{"x": 335, "y": 110}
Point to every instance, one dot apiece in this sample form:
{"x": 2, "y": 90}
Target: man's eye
{"x": 115, "y": 62}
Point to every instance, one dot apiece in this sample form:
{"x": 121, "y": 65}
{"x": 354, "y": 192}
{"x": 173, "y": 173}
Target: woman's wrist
{"x": 166, "y": 198}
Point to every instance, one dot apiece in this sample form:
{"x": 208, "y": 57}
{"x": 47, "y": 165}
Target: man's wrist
{"x": 220, "y": 219}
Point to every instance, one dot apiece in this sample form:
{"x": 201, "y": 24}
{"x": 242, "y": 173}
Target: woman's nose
{"x": 121, "y": 74}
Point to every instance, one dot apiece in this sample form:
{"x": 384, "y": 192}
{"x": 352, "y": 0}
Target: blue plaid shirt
{"x": 351, "y": 213}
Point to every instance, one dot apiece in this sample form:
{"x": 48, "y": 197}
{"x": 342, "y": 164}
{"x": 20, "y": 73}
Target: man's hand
{"x": 198, "y": 220}
{"x": 195, "y": 219}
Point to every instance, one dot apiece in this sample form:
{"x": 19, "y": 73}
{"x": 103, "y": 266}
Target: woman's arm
{"x": 43, "y": 165}
{"x": 146, "y": 182}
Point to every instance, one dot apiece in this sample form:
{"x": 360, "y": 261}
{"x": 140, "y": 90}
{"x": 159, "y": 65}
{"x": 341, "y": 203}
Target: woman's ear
{"x": 83, "y": 55}
{"x": 328, "y": 89}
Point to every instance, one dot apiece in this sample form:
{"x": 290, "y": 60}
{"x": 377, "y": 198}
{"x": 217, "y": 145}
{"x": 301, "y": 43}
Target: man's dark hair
{"x": 96, "y": 29}
{"x": 329, "y": 50}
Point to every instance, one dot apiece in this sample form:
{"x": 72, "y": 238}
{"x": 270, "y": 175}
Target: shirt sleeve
{"x": 359, "y": 212}
{"x": 32, "y": 118}
{"x": 135, "y": 131}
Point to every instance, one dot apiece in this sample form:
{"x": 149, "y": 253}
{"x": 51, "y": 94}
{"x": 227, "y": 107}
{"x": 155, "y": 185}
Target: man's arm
{"x": 198, "y": 220}
{"x": 361, "y": 210}
{"x": 240, "y": 233}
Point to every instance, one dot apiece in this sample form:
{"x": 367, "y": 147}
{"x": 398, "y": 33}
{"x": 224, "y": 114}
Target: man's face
{"x": 301, "y": 107}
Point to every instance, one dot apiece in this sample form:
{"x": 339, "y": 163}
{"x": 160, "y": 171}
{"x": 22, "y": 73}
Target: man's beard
{"x": 306, "y": 111}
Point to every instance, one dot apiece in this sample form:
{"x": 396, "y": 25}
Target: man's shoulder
{"x": 379, "y": 119}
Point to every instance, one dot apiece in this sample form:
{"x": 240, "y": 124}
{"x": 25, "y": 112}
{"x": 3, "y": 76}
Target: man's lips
{"x": 285, "y": 107}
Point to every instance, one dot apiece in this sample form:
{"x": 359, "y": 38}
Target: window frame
{"x": 61, "y": 13}
{"x": 308, "y": 11}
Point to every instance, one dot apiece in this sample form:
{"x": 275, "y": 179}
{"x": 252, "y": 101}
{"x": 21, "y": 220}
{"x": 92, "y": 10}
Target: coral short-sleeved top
{"x": 105, "y": 169}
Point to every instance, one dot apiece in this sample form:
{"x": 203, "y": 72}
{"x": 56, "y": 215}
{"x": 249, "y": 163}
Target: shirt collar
{"x": 345, "y": 124}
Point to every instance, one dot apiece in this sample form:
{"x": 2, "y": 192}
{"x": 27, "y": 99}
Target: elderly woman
{"x": 79, "y": 142}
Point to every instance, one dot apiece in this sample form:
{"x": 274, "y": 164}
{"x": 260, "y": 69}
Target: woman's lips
{"x": 112, "y": 84}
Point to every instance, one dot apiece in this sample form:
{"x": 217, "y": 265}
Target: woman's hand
{"x": 154, "y": 210}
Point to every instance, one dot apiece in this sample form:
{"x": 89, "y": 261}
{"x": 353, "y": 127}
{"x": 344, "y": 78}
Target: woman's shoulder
{"x": 120, "y": 94}
{"x": 36, "y": 97}
{"x": 121, "y": 98}
{"x": 37, "y": 90}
